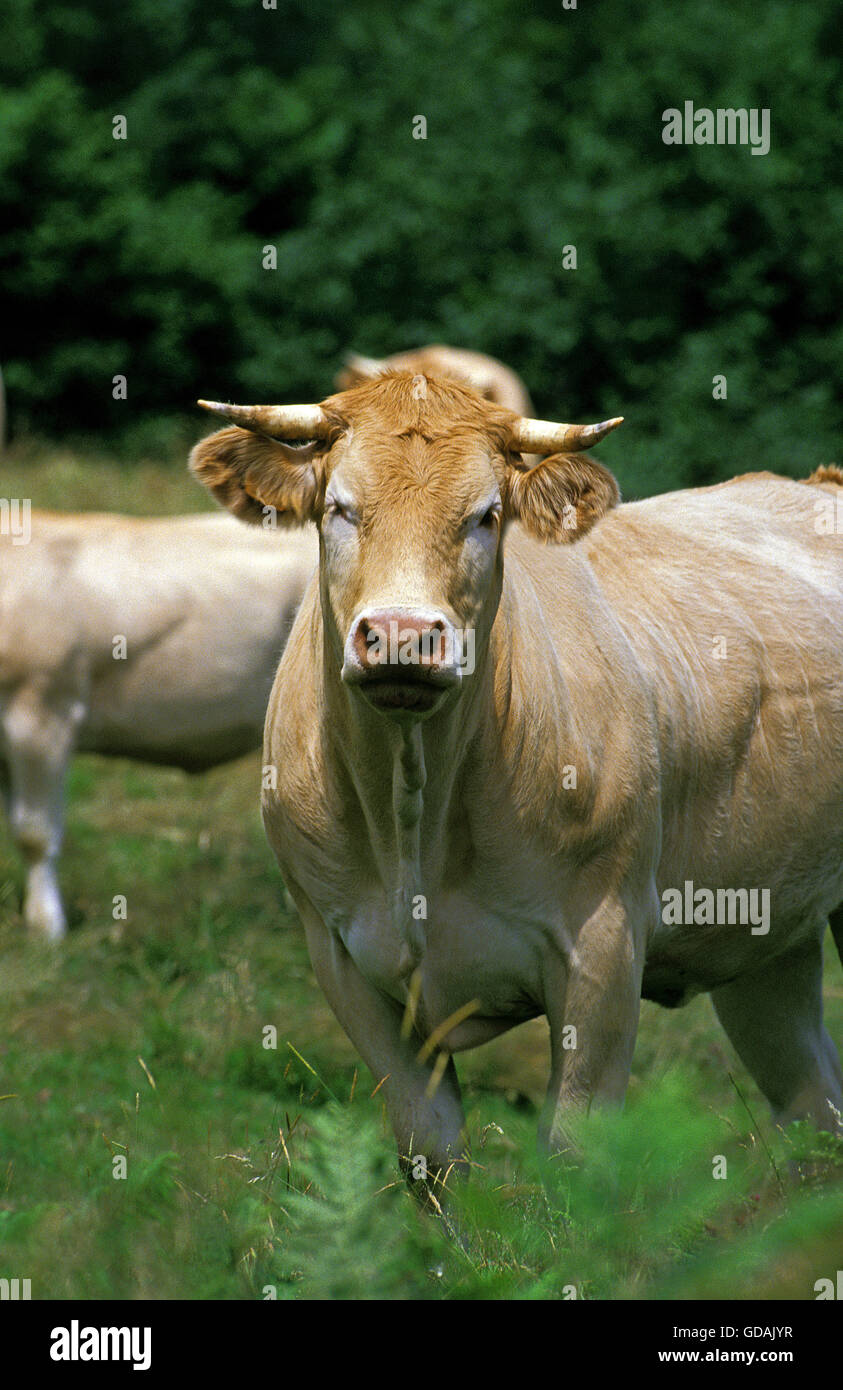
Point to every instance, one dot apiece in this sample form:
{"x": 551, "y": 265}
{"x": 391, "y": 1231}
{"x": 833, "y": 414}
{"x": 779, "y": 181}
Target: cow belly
{"x": 760, "y": 835}
{"x": 471, "y": 957}
{"x": 184, "y": 711}
{"x": 722, "y": 935}
{"x": 182, "y": 732}
{"x": 190, "y": 750}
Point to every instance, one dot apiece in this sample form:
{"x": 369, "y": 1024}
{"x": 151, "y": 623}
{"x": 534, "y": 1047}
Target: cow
{"x": 538, "y": 752}
{"x": 153, "y": 639}
{"x": 485, "y": 375}
{"x": 490, "y": 378}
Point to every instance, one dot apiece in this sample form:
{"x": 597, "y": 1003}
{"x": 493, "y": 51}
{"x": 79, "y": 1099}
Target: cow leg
{"x": 38, "y": 735}
{"x": 593, "y": 997}
{"x": 427, "y": 1121}
{"x": 774, "y": 1019}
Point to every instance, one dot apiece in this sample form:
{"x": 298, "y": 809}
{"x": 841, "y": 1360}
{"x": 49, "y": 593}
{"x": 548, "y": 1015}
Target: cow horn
{"x": 280, "y": 421}
{"x": 545, "y": 437}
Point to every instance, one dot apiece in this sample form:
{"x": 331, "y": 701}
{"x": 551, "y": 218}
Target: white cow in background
{"x": 150, "y": 639}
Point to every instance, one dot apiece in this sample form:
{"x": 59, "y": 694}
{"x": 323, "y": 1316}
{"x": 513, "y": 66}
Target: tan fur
{"x": 248, "y": 472}
{"x": 562, "y": 497}
{"x": 488, "y": 377}
{"x": 827, "y": 473}
{"x": 684, "y": 660}
{"x": 243, "y": 472}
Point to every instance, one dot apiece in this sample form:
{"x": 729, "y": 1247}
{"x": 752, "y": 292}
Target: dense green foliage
{"x": 293, "y": 127}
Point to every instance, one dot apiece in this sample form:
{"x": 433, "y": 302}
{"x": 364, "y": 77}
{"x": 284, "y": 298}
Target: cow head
{"x": 412, "y": 481}
{"x": 488, "y": 377}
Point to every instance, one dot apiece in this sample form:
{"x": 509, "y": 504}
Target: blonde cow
{"x": 150, "y": 639}
{"x": 485, "y": 375}
{"x": 538, "y": 753}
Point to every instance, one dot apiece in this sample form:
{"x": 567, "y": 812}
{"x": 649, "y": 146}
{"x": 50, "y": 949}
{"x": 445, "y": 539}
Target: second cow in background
{"x": 150, "y": 639}
{"x": 488, "y": 377}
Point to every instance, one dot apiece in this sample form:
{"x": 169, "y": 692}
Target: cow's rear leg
{"x": 592, "y": 1003}
{"x": 38, "y": 736}
{"x": 774, "y": 1019}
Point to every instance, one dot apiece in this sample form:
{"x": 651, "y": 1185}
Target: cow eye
{"x": 338, "y": 509}
{"x": 482, "y": 521}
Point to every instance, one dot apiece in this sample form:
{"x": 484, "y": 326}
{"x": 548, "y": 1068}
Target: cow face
{"x": 410, "y": 553}
{"x": 412, "y": 484}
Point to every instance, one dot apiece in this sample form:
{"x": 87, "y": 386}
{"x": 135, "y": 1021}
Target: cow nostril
{"x": 362, "y": 646}
{"x": 431, "y": 643}
{"x": 400, "y": 642}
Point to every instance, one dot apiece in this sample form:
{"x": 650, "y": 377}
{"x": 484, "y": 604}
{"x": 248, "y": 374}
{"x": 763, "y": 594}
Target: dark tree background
{"x": 293, "y": 127}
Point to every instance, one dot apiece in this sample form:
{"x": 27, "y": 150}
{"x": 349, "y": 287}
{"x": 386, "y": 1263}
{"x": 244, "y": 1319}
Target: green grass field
{"x": 253, "y": 1171}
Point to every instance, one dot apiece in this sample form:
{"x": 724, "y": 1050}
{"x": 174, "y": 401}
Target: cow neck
{"x": 399, "y": 776}
{"x": 408, "y": 779}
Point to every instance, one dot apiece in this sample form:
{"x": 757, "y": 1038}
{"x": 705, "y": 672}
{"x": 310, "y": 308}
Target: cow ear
{"x": 248, "y": 473}
{"x": 561, "y": 498}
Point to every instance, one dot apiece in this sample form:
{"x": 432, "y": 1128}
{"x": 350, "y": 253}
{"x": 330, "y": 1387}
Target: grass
{"x": 254, "y": 1171}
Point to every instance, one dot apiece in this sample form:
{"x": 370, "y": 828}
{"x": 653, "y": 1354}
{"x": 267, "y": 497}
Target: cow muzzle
{"x": 405, "y": 660}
